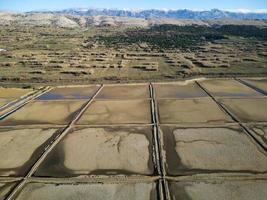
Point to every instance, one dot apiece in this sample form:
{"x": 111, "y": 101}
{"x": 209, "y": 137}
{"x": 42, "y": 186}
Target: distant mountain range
{"x": 176, "y": 14}
{"x": 74, "y": 18}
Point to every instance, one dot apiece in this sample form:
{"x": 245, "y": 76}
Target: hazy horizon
{"x": 258, "y": 6}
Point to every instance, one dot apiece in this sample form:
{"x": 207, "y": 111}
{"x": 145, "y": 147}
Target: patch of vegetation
{"x": 165, "y": 37}
{"x": 119, "y": 54}
{"x": 244, "y": 31}
{"x": 181, "y": 37}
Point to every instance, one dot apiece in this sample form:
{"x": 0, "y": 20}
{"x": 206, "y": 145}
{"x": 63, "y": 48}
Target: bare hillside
{"x": 75, "y": 21}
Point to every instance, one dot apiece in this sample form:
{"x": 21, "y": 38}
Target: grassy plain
{"x": 54, "y": 55}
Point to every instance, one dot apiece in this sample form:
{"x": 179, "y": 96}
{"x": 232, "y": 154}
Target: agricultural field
{"x": 57, "y": 56}
{"x": 191, "y": 140}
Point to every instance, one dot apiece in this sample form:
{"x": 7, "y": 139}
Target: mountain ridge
{"x": 156, "y": 13}
{"x": 95, "y": 17}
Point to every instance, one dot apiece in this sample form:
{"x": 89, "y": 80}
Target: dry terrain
{"x": 57, "y": 49}
{"x": 115, "y": 108}
{"x": 192, "y": 140}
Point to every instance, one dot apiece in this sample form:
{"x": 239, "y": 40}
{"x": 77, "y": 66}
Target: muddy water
{"x": 117, "y": 112}
{"x": 191, "y": 111}
{"x": 228, "y": 88}
{"x": 176, "y": 90}
{"x": 5, "y": 188}
{"x": 101, "y": 151}
{"x": 70, "y": 93}
{"x": 124, "y": 92}
{"x": 10, "y": 93}
{"x": 260, "y": 132}
{"x": 247, "y": 110}
{"x": 261, "y": 84}
{"x": 212, "y": 150}
{"x": 44, "y": 112}
{"x": 219, "y": 190}
{"x": 19, "y": 148}
{"x": 3, "y": 102}
{"x": 172, "y": 162}
{"x": 107, "y": 191}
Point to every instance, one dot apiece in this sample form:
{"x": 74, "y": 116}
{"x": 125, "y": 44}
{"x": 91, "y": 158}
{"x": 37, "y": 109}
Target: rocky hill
{"x": 73, "y": 20}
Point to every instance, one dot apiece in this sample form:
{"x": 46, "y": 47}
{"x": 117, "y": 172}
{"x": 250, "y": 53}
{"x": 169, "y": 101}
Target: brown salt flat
{"x": 5, "y": 188}
{"x": 219, "y": 190}
{"x": 117, "y": 112}
{"x": 44, "y": 112}
{"x": 70, "y": 93}
{"x": 247, "y": 110}
{"x": 179, "y": 90}
{"x": 191, "y": 111}
{"x": 12, "y": 93}
{"x": 258, "y": 83}
{"x": 260, "y": 133}
{"x": 97, "y": 191}
{"x": 101, "y": 151}
{"x": 20, "y": 148}
{"x": 203, "y": 150}
{"x": 124, "y": 92}
{"x": 229, "y": 88}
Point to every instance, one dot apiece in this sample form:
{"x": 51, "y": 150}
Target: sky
{"x": 233, "y": 5}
